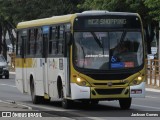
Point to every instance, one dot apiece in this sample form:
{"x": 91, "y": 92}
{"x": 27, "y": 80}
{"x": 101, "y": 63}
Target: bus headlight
{"x": 139, "y": 78}
{"x": 82, "y": 82}
{"x": 78, "y": 79}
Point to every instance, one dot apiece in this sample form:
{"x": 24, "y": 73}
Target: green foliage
{"x": 117, "y": 5}
{"x": 22, "y": 10}
{"x": 111, "y": 5}
{"x": 154, "y": 7}
{"x": 14, "y": 11}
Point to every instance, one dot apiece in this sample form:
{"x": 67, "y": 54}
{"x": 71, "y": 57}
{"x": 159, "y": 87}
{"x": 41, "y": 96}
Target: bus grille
{"x": 112, "y": 83}
{"x": 109, "y": 91}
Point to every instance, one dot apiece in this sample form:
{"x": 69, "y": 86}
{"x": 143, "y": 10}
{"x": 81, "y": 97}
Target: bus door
{"x": 21, "y": 81}
{"x": 24, "y": 67}
{"x": 44, "y": 58}
{"x": 24, "y": 71}
{"x": 67, "y": 55}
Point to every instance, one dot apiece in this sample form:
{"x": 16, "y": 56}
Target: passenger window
{"x": 22, "y": 36}
{"x": 39, "y": 42}
{"x": 56, "y": 42}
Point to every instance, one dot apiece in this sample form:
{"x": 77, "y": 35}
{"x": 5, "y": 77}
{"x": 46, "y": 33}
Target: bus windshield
{"x": 108, "y": 50}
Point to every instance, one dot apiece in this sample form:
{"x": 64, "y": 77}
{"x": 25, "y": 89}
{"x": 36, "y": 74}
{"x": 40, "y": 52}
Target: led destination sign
{"x": 107, "y": 22}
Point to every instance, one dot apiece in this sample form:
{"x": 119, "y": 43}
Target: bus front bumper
{"x": 81, "y": 92}
{"x": 137, "y": 91}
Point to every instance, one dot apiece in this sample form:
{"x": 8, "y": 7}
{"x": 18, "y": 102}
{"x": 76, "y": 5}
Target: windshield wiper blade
{"x": 97, "y": 40}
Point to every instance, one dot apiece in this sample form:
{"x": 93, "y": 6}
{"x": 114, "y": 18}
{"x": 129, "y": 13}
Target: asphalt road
{"x": 151, "y": 104}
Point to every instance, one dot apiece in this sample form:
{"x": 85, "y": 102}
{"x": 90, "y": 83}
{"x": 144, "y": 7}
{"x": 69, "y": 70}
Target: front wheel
{"x": 125, "y": 103}
{"x": 35, "y": 99}
{"x": 66, "y": 104}
{"x": 94, "y": 102}
{"x": 7, "y": 77}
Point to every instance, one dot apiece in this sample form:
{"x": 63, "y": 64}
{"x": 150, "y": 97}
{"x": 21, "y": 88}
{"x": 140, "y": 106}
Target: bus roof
{"x": 45, "y": 21}
{"x": 99, "y": 12}
{"x": 66, "y": 18}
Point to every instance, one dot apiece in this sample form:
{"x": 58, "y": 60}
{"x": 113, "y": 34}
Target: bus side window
{"x": 39, "y": 42}
{"x": 31, "y": 42}
{"x": 19, "y": 44}
{"x": 61, "y": 40}
{"x": 21, "y": 40}
{"x": 52, "y": 41}
{"x": 56, "y": 40}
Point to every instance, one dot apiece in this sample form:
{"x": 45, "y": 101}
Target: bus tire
{"x": 7, "y": 77}
{"x": 125, "y": 103}
{"x": 47, "y": 100}
{"x": 94, "y": 102}
{"x": 35, "y": 99}
{"x": 66, "y": 104}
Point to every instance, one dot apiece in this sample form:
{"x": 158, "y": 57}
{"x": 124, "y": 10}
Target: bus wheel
{"x": 66, "y": 104}
{"x": 94, "y": 102}
{"x": 47, "y": 100}
{"x": 35, "y": 99}
{"x": 125, "y": 103}
{"x": 7, "y": 77}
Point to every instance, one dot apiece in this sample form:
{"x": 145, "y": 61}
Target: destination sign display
{"x": 107, "y": 22}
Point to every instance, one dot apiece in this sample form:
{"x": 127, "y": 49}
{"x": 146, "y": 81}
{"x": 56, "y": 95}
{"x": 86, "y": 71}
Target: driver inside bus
{"x": 121, "y": 48}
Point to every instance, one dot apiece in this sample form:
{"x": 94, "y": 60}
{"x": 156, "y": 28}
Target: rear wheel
{"x": 66, "y": 104}
{"x": 94, "y": 102}
{"x": 125, "y": 103}
{"x": 47, "y": 100}
{"x": 35, "y": 99}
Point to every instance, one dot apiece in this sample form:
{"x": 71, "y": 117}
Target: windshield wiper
{"x": 97, "y": 40}
{"x": 122, "y": 39}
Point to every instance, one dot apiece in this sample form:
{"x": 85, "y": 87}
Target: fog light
{"x": 135, "y": 82}
{"x": 83, "y": 83}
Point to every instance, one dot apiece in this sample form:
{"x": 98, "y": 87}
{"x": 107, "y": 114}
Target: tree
{"x": 154, "y": 7}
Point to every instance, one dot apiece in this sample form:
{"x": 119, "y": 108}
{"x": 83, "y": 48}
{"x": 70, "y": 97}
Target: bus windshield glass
{"x": 119, "y": 49}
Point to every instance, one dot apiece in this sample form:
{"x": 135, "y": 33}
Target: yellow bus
{"x": 88, "y": 57}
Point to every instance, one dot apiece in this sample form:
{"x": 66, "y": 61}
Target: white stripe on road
{"x": 7, "y": 85}
{"x": 157, "y": 108}
{"x": 152, "y": 90}
{"x": 151, "y": 97}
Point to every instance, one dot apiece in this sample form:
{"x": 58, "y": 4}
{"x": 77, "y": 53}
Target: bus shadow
{"x": 79, "y": 109}
{"x": 87, "y": 107}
